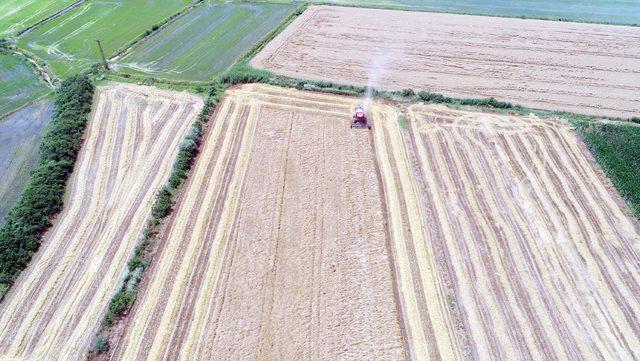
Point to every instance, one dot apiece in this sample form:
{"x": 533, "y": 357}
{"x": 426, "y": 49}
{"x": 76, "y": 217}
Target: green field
{"x": 604, "y": 11}
{"x": 19, "y": 85}
{"x": 204, "y": 41}
{"x": 15, "y": 15}
{"x": 616, "y": 146}
{"x": 68, "y": 44}
{"x": 20, "y": 136}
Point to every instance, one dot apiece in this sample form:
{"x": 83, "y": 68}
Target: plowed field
{"x": 132, "y": 139}
{"x": 583, "y": 68}
{"x": 277, "y": 249}
{"x": 508, "y": 241}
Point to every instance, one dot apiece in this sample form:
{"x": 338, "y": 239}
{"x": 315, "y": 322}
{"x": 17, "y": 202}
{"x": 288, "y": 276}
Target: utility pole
{"x": 104, "y": 60}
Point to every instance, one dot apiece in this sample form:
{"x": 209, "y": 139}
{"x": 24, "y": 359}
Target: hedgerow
{"x": 43, "y": 196}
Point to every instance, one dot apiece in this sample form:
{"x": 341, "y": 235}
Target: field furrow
{"x": 131, "y": 142}
{"x": 527, "y": 251}
{"x": 277, "y": 248}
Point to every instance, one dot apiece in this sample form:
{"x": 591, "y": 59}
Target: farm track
{"x": 277, "y": 248}
{"x": 582, "y": 68}
{"x": 507, "y": 241}
{"x": 54, "y": 308}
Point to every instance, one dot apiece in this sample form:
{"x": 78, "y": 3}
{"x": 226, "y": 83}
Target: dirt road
{"x": 583, "y": 68}
{"x": 54, "y": 308}
{"x": 509, "y": 242}
{"x": 277, "y": 249}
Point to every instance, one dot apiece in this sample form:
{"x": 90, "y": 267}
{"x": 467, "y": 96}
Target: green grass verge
{"x": 203, "y": 42}
{"x": 43, "y": 195}
{"x": 616, "y": 147}
{"x": 68, "y": 45}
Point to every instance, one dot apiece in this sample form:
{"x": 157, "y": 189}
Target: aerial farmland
{"x": 582, "y": 68}
{"x": 132, "y": 139}
{"x": 181, "y": 50}
{"x": 344, "y": 180}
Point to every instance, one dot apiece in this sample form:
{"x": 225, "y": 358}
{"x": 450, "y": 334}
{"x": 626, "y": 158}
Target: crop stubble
{"x": 583, "y": 68}
{"x": 508, "y": 241}
{"x": 131, "y": 142}
{"x": 277, "y": 250}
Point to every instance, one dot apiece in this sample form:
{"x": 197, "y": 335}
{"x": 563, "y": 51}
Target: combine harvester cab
{"x": 360, "y": 119}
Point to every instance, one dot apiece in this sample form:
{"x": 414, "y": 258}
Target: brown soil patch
{"x": 583, "y": 68}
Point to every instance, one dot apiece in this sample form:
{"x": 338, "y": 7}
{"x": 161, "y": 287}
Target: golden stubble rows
{"x": 583, "y": 68}
{"x": 131, "y": 142}
{"x": 253, "y": 241}
{"x": 512, "y": 235}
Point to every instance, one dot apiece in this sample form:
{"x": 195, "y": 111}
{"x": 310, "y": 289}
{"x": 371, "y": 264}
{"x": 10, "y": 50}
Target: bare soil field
{"x": 508, "y": 241}
{"x": 582, "y": 68}
{"x": 131, "y": 141}
{"x": 277, "y": 248}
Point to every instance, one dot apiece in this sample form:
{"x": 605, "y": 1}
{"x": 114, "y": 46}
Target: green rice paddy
{"x": 16, "y": 15}
{"x": 20, "y": 136}
{"x": 68, "y": 43}
{"x": 203, "y": 42}
{"x": 19, "y": 85}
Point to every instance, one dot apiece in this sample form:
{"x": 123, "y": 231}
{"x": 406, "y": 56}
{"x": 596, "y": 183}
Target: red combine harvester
{"x": 360, "y": 119}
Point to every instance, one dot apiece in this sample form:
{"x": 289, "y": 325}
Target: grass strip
{"x": 43, "y": 196}
{"x": 616, "y": 147}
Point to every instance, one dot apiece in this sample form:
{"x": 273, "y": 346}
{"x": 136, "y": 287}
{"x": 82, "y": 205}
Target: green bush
{"x": 163, "y": 203}
{"x": 243, "y": 73}
{"x": 43, "y": 195}
{"x": 100, "y": 343}
{"x": 408, "y": 92}
{"x": 119, "y": 303}
{"x": 487, "y": 102}
{"x": 426, "y": 96}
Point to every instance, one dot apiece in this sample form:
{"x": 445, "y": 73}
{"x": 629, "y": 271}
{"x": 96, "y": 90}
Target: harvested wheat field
{"x": 277, "y": 248}
{"x": 583, "y": 68}
{"x": 508, "y": 241}
{"x": 131, "y": 141}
